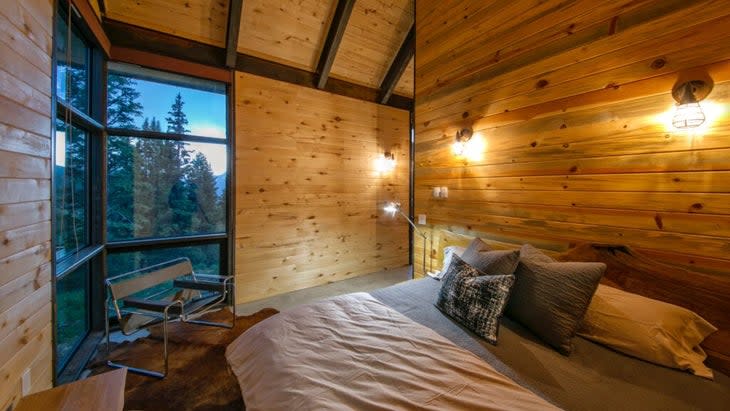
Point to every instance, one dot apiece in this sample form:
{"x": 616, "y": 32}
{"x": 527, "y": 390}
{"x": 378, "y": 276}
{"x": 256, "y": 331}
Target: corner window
{"x": 167, "y": 162}
{"x": 77, "y": 137}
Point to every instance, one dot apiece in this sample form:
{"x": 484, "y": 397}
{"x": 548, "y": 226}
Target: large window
{"x": 167, "y": 168}
{"x": 77, "y": 238}
{"x": 140, "y": 177}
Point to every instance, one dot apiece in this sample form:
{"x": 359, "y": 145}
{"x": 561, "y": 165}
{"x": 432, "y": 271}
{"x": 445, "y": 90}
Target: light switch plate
{"x": 422, "y": 219}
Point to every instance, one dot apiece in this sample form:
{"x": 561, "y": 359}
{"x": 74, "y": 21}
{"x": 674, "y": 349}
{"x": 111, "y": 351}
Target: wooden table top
{"x": 103, "y": 392}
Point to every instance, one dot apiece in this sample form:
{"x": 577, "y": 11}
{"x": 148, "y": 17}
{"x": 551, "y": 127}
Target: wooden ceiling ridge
{"x": 334, "y": 38}
{"x": 151, "y": 42}
{"x": 398, "y": 67}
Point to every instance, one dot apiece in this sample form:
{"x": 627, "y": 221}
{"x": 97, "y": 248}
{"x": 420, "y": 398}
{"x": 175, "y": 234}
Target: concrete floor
{"x": 364, "y": 283}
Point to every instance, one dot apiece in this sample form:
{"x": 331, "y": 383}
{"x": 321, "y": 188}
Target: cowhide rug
{"x": 198, "y": 377}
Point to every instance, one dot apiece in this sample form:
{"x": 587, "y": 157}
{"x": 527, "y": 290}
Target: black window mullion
{"x": 158, "y": 135}
{"x": 79, "y": 119}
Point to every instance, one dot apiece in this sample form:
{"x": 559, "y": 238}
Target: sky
{"x": 206, "y": 113}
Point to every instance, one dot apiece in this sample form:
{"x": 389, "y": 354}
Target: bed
{"x": 393, "y": 349}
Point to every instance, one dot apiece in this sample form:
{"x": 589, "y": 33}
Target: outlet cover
{"x": 422, "y": 219}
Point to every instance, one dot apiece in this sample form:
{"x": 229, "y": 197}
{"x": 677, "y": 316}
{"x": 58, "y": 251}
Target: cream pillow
{"x": 448, "y": 253}
{"x": 648, "y": 329}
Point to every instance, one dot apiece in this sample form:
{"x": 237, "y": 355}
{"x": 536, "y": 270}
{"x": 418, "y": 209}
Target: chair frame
{"x": 163, "y": 313}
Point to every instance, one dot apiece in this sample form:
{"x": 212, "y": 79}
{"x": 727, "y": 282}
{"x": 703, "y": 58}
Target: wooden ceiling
{"x": 289, "y": 32}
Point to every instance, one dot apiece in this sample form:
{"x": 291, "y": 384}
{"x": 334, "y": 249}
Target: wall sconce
{"x": 689, "y": 113}
{"x": 462, "y": 138}
{"x": 385, "y": 163}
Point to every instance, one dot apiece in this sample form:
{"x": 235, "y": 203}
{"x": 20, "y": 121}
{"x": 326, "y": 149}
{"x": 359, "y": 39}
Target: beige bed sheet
{"x": 354, "y": 353}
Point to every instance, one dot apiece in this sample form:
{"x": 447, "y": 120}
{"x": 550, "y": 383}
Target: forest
{"x": 156, "y": 187}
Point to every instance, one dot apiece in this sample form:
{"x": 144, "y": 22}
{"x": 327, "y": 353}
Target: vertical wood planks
{"x": 308, "y": 198}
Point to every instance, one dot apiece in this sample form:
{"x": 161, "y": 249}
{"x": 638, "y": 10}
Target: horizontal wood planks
{"x": 204, "y": 21}
{"x": 372, "y": 39}
{"x": 573, "y": 102}
{"x": 308, "y": 198}
{"x": 25, "y": 170}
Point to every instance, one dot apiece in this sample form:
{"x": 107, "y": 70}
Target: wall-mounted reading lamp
{"x": 394, "y": 207}
{"x": 689, "y": 113}
{"x": 462, "y": 138}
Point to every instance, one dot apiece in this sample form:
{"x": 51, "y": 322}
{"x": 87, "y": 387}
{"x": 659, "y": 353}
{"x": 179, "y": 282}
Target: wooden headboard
{"x": 706, "y": 294}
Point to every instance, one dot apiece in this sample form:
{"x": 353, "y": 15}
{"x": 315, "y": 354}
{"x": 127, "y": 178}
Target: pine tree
{"x": 177, "y": 120}
{"x": 122, "y": 105}
{"x": 208, "y": 216}
{"x": 122, "y": 110}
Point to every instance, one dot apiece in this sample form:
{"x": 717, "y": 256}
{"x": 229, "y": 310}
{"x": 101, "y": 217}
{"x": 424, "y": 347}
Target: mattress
{"x": 593, "y": 377}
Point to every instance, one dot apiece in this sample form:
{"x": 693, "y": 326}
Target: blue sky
{"x": 206, "y": 113}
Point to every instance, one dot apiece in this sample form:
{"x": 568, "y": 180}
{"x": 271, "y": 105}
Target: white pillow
{"x": 448, "y": 252}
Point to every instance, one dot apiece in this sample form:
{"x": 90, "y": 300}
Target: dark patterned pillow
{"x": 474, "y": 299}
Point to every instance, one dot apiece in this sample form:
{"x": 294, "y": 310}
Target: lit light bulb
{"x": 458, "y": 148}
{"x": 688, "y": 115}
{"x": 386, "y": 163}
{"x": 391, "y": 207}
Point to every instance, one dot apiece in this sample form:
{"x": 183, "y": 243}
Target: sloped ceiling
{"x": 204, "y": 21}
{"x": 289, "y": 32}
{"x": 373, "y": 37}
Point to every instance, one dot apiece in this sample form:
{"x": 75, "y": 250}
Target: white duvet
{"x": 354, "y": 353}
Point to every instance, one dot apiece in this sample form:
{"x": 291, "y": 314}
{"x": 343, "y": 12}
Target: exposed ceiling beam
{"x": 234, "y": 25}
{"x": 127, "y": 36}
{"x": 134, "y": 37}
{"x": 399, "y": 65}
{"x": 334, "y": 37}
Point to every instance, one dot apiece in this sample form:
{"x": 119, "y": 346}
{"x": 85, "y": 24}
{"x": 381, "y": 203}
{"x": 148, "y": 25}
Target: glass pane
{"x": 72, "y": 71}
{"x": 164, "y": 188}
{"x": 72, "y": 318}
{"x": 205, "y": 260}
{"x": 144, "y": 99}
{"x": 71, "y": 190}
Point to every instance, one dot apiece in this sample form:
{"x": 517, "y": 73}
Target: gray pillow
{"x": 480, "y": 256}
{"x": 473, "y": 299}
{"x": 550, "y": 298}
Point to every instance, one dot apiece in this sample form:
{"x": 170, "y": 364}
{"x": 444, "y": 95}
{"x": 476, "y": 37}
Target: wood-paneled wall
{"x": 571, "y": 99}
{"x": 308, "y": 198}
{"x": 25, "y": 170}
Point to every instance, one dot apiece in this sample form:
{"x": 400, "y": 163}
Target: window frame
{"x": 92, "y": 253}
{"x": 224, "y": 238}
{"x": 94, "y": 123}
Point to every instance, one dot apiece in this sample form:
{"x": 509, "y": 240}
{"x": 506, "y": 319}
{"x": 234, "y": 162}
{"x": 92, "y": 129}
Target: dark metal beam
{"x": 234, "y": 25}
{"x": 399, "y": 65}
{"x": 134, "y": 37}
{"x": 128, "y": 36}
{"x": 334, "y": 37}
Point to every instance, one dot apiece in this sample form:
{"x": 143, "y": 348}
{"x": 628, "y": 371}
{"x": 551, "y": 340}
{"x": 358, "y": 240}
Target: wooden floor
{"x": 364, "y": 283}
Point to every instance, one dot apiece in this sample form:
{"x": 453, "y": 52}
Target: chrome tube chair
{"x": 190, "y": 296}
